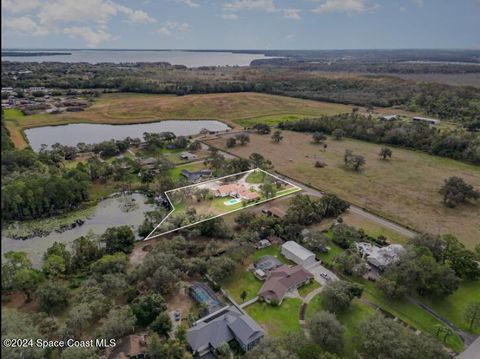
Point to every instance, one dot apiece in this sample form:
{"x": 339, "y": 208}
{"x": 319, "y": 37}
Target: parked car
{"x": 177, "y": 315}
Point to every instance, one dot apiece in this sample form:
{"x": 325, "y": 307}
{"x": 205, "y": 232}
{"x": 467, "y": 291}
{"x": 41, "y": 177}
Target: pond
{"x": 127, "y": 209}
{"x": 73, "y": 134}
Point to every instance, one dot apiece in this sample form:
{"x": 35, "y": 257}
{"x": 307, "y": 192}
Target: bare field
{"x": 403, "y": 189}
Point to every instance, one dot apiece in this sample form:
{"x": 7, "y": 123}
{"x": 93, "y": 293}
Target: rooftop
{"x": 298, "y": 250}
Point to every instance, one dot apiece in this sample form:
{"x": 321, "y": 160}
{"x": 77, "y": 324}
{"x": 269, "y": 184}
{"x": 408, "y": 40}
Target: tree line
{"x": 456, "y": 144}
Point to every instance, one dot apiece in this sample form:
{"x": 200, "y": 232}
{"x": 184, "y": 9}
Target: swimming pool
{"x": 232, "y": 201}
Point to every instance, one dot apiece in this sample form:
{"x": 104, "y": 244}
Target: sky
{"x": 241, "y": 24}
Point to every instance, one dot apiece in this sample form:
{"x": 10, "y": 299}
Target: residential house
{"x": 196, "y": 176}
{"x": 389, "y": 118}
{"x": 237, "y": 191}
{"x": 298, "y": 254}
{"x": 265, "y": 265}
{"x": 283, "y": 280}
{"x": 378, "y": 257}
{"x": 231, "y": 324}
{"x": 275, "y": 212}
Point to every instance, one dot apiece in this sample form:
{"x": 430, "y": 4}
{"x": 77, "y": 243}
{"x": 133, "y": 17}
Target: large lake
{"x": 73, "y": 134}
{"x": 111, "y": 212}
{"x": 187, "y": 58}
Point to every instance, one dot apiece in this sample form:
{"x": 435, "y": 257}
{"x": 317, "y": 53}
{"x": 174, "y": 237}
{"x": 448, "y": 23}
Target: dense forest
{"x": 457, "y": 144}
{"x": 457, "y": 103}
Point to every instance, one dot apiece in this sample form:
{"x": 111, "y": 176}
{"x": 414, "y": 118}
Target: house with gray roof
{"x": 231, "y": 324}
{"x": 194, "y": 177}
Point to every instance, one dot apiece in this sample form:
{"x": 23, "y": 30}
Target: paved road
{"x": 357, "y": 210}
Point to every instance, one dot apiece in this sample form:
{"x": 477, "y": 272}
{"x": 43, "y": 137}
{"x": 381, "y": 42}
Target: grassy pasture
{"x": 404, "y": 189}
{"x": 236, "y": 109}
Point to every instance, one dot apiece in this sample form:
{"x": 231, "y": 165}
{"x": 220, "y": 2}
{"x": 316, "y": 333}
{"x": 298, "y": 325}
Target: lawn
{"x": 303, "y": 291}
{"x": 255, "y": 177}
{"x": 408, "y": 312}
{"x": 350, "y": 319}
{"x": 175, "y": 175}
{"x": 242, "y": 280}
{"x": 273, "y": 250}
{"x": 403, "y": 189}
{"x": 277, "y": 320}
{"x": 453, "y": 307}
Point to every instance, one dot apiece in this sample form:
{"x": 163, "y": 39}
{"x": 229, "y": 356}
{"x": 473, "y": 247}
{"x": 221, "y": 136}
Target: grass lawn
{"x": 303, "y": 291}
{"x": 408, "y": 312}
{"x": 274, "y": 120}
{"x": 404, "y": 189}
{"x": 350, "y": 319}
{"x": 242, "y": 280}
{"x": 174, "y": 173}
{"x": 255, "y": 177}
{"x": 274, "y": 250}
{"x": 277, "y": 320}
{"x": 453, "y": 307}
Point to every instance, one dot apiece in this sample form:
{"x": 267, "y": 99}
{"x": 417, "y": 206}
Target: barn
{"x": 298, "y": 254}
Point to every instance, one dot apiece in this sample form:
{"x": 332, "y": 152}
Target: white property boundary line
{"x": 295, "y": 187}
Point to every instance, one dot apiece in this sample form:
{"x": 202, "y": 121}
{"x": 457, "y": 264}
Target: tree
{"x": 54, "y": 265}
{"x": 80, "y": 317}
{"x": 271, "y": 348}
{"x": 52, "y": 297}
{"x": 353, "y": 161}
{"x": 456, "y": 191}
{"x": 147, "y": 307}
{"x": 326, "y": 330}
{"x": 243, "y": 138}
{"x": 338, "y": 295}
{"x": 277, "y": 136}
{"x": 243, "y": 295}
{"x": 318, "y": 137}
{"x": 85, "y": 250}
{"x": 118, "y": 239}
{"x": 162, "y": 324}
{"x": 258, "y": 161}
{"x": 332, "y": 205}
{"x": 262, "y": 128}
{"x": 220, "y": 267}
{"x": 231, "y": 142}
{"x": 385, "y": 152}
{"x": 338, "y": 133}
{"x": 268, "y": 188}
{"x": 27, "y": 280}
{"x": 195, "y": 146}
{"x": 472, "y": 315}
{"x": 79, "y": 353}
{"x": 118, "y": 323}
{"x": 381, "y": 337}
{"x": 350, "y": 263}
{"x": 110, "y": 263}
{"x": 344, "y": 235}
{"x": 164, "y": 279}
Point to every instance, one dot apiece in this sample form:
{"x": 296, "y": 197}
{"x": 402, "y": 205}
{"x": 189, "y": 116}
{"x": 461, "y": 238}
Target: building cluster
{"x": 426, "y": 120}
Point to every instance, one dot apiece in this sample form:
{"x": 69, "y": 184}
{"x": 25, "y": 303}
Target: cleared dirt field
{"x": 404, "y": 189}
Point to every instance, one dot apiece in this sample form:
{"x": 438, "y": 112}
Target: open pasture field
{"x": 128, "y": 108}
{"x": 404, "y": 188}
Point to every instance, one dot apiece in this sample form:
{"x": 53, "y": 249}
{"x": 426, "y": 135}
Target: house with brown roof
{"x": 283, "y": 280}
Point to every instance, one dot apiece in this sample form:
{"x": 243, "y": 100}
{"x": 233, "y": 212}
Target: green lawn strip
{"x": 330, "y": 256}
{"x": 303, "y": 291}
{"x": 12, "y": 114}
{"x": 350, "y": 319}
{"x": 271, "y": 120}
{"x": 255, "y": 177}
{"x": 277, "y": 320}
{"x": 408, "y": 312}
{"x": 453, "y": 307}
{"x": 242, "y": 280}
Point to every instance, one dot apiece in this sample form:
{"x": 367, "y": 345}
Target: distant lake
{"x": 73, "y": 134}
{"x": 187, "y": 58}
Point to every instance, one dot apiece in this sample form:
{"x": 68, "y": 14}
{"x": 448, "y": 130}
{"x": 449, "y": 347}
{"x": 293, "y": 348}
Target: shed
{"x": 298, "y": 254}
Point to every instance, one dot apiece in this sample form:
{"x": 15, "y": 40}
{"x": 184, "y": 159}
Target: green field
{"x": 408, "y": 312}
{"x": 304, "y": 290}
{"x": 404, "y": 189}
{"x": 242, "y": 280}
{"x": 277, "y": 320}
{"x": 174, "y": 173}
{"x": 453, "y": 307}
{"x": 350, "y": 319}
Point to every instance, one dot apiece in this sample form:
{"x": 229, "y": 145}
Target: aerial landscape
{"x": 257, "y": 179}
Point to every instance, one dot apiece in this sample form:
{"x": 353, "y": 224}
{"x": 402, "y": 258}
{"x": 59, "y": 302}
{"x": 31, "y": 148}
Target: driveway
{"x": 317, "y": 270}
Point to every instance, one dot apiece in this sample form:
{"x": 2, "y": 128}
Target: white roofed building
{"x": 298, "y": 254}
